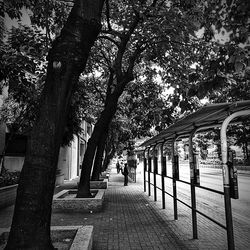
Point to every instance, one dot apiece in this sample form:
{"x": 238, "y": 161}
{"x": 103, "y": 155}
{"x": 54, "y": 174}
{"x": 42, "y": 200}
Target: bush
{"x": 8, "y": 178}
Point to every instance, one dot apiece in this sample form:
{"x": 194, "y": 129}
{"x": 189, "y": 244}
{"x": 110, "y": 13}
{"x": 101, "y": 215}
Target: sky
{"x": 13, "y": 22}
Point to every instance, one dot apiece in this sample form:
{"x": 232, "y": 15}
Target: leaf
{"x": 239, "y": 66}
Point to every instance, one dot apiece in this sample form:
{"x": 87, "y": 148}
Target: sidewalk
{"x": 132, "y": 220}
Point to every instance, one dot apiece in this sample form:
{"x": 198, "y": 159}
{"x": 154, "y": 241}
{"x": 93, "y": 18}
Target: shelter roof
{"x": 210, "y": 115}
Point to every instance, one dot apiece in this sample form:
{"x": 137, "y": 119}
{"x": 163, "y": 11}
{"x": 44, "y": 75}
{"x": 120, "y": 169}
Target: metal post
{"x": 144, "y": 168}
{"x": 155, "y": 171}
{"x": 149, "y": 170}
{"x": 163, "y": 174}
{"x": 135, "y": 174}
{"x": 174, "y": 182}
{"x": 225, "y": 171}
{"x": 192, "y": 181}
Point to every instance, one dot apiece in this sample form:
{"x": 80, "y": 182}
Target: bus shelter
{"x": 206, "y": 118}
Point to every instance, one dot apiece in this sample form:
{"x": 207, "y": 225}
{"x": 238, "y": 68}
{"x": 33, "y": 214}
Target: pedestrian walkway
{"x": 132, "y": 220}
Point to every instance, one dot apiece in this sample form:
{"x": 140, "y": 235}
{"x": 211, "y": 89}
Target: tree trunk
{"x": 99, "y": 158}
{"x": 30, "y": 227}
{"x": 105, "y": 162}
{"x": 100, "y": 128}
{"x": 109, "y": 150}
{"x": 2, "y": 144}
{"x": 107, "y": 159}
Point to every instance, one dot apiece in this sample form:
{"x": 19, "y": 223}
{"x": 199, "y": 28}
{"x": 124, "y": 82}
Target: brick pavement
{"x": 132, "y": 220}
{"x": 128, "y": 220}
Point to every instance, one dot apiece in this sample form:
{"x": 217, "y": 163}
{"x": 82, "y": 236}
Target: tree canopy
{"x": 23, "y": 68}
{"x": 198, "y": 48}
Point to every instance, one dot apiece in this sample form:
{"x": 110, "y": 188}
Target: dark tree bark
{"x": 102, "y": 139}
{"x": 100, "y": 128}
{"x": 30, "y": 227}
{"x": 99, "y": 157}
{"x": 109, "y": 153}
{"x": 102, "y": 125}
{"x": 105, "y": 162}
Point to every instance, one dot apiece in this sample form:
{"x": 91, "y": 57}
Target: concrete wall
{"x": 64, "y": 161}
{"x": 7, "y": 196}
{"x": 74, "y": 158}
{"x": 68, "y": 160}
{"x": 70, "y": 157}
{"x": 13, "y": 163}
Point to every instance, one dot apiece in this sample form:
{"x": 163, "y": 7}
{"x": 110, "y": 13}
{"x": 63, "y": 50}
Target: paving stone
{"x": 130, "y": 219}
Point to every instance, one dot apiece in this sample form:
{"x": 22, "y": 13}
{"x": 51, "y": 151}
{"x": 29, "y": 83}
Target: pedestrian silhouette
{"x": 125, "y": 173}
{"x": 118, "y": 167}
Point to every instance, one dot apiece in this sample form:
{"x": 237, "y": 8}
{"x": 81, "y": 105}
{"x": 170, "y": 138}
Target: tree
{"x": 156, "y": 33}
{"x": 141, "y": 107}
{"x": 221, "y": 73}
{"x": 137, "y": 35}
{"x": 146, "y": 108}
{"x": 240, "y": 135}
{"x": 23, "y": 70}
{"x": 224, "y": 75}
{"x": 112, "y": 143}
{"x": 67, "y": 58}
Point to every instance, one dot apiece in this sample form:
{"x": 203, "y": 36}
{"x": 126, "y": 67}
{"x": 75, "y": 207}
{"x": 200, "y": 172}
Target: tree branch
{"x": 139, "y": 49}
{"x": 105, "y": 65}
{"x": 113, "y": 33}
{"x": 107, "y": 15}
{"x": 99, "y": 92}
{"x": 110, "y": 39}
{"x": 123, "y": 45}
{"x": 109, "y": 87}
{"x": 108, "y": 63}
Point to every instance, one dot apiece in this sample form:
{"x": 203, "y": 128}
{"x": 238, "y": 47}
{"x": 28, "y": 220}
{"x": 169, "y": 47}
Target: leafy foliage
{"x": 225, "y": 63}
{"x": 220, "y": 77}
{"x": 81, "y": 108}
{"x": 138, "y": 37}
{"x": 49, "y": 15}
{"x": 23, "y": 69}
{"x": 145, "y": 40}
{"x": 143, "y": 107}
{"x": 8, "y": 178}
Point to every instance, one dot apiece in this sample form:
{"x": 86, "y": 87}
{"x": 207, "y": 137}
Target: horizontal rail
{"x": 188, "y": 183}
{"x": 199, "y": 212}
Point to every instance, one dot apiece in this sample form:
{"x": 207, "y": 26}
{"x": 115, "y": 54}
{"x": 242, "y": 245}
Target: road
{"x": 212, "y": 178}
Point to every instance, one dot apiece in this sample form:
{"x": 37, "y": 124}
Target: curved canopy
{"x": 208, "y": 116}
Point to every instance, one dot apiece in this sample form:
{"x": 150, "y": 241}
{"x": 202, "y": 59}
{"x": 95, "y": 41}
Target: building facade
{"x": 70, "y": 157}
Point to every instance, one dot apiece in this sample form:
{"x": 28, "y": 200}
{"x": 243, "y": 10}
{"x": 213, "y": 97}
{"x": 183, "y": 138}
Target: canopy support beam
{"x": 225, "y": 171}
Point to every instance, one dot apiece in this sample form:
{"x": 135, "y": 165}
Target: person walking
{"x": 118, "y": 167}
{"x": 125, "y": 173}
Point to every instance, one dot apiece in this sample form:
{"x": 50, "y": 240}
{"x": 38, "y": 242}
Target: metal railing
{"x": 148, "y": 184}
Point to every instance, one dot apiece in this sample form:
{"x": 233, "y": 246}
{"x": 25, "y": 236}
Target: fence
{"x": 148, "y": 172}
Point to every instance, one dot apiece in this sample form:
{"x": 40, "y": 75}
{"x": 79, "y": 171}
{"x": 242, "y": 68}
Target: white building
{"x": 70, "y": 157}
